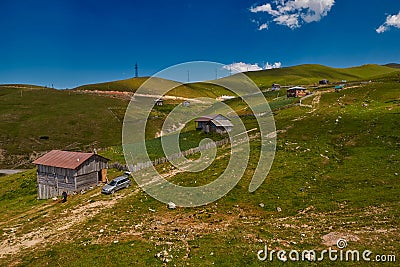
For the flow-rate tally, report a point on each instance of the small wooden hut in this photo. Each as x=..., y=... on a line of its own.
x=158, y=102
x=276, y=87
x=296, y=91
x=324, y=81
x=216, y=123
x=59, y=171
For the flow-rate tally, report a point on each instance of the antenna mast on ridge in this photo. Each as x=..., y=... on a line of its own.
x=136, y=70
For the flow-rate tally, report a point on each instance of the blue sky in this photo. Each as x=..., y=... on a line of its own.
x=69, y=43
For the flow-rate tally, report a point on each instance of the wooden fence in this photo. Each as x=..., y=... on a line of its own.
x=140, y=166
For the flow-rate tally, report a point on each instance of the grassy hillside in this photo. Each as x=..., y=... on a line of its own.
x=303, y=74
x=130, y=85
x=22, y=86
x=335, y=175
x=190, y=90
x=36, y=120
x=393, y=65
x=312, y=73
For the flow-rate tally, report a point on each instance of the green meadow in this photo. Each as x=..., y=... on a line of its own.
x=335, y=175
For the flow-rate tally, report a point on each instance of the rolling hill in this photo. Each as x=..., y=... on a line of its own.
x=36, y=119
x=130, y=85
x=393, y=65
x=307, y=74
x=182, y=90
x=311, y=73
x=41, y=119
x=335, y=175
x=22, y=86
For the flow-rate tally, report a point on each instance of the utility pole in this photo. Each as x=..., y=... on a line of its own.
x=188, y=76
x=136, y=70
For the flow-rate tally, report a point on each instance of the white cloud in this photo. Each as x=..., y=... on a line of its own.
x=264, y=8
x=243, y=67
x=391, y=21
x=293, y=13
x=276, y=65
x=381, y=29
x=292, y=21
x=263, y=26
x=260, y=26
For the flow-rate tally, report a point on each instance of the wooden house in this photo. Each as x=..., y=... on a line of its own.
x=296, y=91
x=159, y=102
x=216, y=123
x=59, y=171
x=276, y=87
x=324, y=81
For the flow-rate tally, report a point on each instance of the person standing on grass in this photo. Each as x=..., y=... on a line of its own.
x=64, y=195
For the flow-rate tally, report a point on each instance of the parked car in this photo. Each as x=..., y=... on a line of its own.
x=117, y=184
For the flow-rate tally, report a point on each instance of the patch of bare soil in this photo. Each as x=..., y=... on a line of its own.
x=52, y=231
x=56, y=229
x=333, y=238
x=114, y=94
x=2, y=154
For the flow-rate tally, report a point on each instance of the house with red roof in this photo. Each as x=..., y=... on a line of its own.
x=59, y=171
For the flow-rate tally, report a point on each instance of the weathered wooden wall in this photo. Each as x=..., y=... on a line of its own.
x=61, y=172
x=53, y=181
x=46, y=192
x=94, y=164
x=86, y=180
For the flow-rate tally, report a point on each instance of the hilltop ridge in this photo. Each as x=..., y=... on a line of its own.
x=301, y=74
x=393, y=65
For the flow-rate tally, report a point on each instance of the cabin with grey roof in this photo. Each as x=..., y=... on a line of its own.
x=215, y=123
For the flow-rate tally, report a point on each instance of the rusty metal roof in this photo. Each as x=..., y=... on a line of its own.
x=63, y=159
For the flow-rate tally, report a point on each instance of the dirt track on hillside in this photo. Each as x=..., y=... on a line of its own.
x=56, y=228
